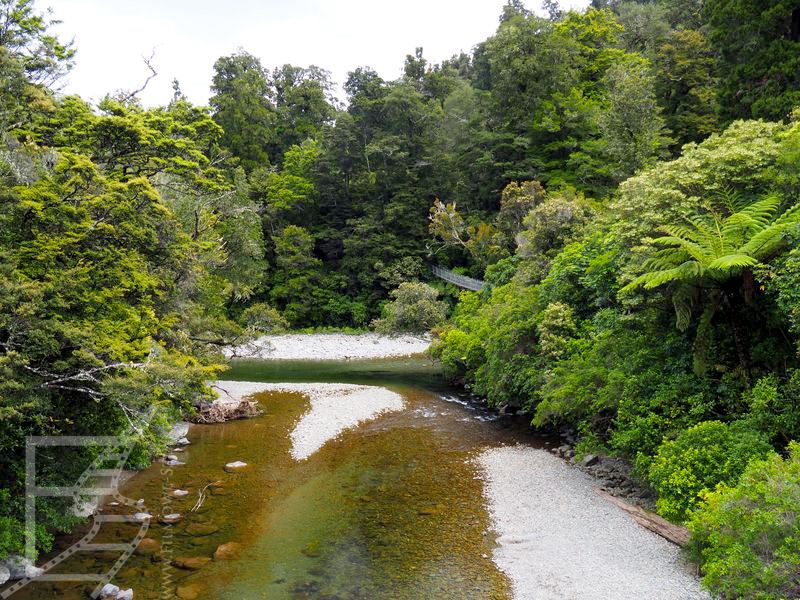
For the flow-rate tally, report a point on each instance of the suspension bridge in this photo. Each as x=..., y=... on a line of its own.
x=462, y=281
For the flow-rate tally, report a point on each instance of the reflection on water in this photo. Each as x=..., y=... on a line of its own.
x=393, y=509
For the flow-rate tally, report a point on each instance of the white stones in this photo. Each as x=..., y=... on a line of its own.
x=142, y=516
x=171, y=518
x=109, y=590
x=235, y=465
x=331, y=346
x=19, y=567
x=559, y=539
x=5, y=574
x=179, y=493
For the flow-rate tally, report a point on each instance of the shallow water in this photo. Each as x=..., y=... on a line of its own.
x=391, y=509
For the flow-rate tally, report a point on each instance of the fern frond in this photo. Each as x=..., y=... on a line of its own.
x=687, y=271
x=732, y=262
x=693, y=249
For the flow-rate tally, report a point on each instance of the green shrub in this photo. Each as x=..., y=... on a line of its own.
x=747, y=537
x=691, y=465
x=263, y=319
x=415, y=309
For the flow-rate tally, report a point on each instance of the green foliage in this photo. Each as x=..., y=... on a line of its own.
x=693, y=464
x=759, y=60
x=263, y=319
x=745, y=536
x=415, y=309
x=632, y=126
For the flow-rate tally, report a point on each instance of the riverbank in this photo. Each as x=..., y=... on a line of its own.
x=559, y=540
x=330, y=346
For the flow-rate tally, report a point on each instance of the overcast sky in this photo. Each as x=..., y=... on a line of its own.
x=189, y=35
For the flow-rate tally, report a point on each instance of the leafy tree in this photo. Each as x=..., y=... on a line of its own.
x=759, y=56
x=693, y=464
x=243, y=107
x=745, y=536
x=711, y=252
x=632, y=126
x=415, y=309
x=296, y=272
x=686, y=86
x=31, y=60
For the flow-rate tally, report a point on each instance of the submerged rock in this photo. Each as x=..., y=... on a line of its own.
x=201, y=529
x=170, y=519
x=227, y=551
x=235, y=466
x=179, y=493
x=148, y=546
x=191, y=591
x=191, y=563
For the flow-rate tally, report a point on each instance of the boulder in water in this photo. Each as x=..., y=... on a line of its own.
x=19, y=568
x=170, y=519
x=148, y=546
x=227, y=551
x=235, y=466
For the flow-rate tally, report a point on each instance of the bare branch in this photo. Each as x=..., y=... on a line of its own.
x=127, y=97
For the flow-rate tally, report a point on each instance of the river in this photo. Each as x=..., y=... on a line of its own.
x=391, y=509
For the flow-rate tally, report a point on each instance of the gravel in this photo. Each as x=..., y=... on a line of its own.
x=330, y=346
x=558, y=540
x=335, y=407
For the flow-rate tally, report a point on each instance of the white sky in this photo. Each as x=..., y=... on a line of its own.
x=189, y=35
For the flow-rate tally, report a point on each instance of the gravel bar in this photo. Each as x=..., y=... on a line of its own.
x=335, y=407
x=558, y=540
x=331, y=346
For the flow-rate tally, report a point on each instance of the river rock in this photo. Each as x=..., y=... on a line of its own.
x=169, y=457
x=191, y=591
x=170, y=519
x=184, y=441
x=227, y=551
x=125, y=595
x=109, y=590
x=235, y=466
x=191, y=563
x=179, y=431
x=19, y=568
x=148, y=546
x=174, y=463
x=142, y=516
x=5, y=574
x=201, y=529
x=179, y=493
x=589, y=460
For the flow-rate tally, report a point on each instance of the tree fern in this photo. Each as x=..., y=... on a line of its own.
x=711, y=250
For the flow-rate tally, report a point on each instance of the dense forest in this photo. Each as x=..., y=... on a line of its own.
x=626, y=179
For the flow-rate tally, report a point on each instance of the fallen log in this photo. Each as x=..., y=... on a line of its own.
x=220, y=412
x=669, y=531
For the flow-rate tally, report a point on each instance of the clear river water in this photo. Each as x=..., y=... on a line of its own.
x=391, y=509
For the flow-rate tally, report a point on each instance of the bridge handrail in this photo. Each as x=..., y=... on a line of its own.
x=461, y=281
